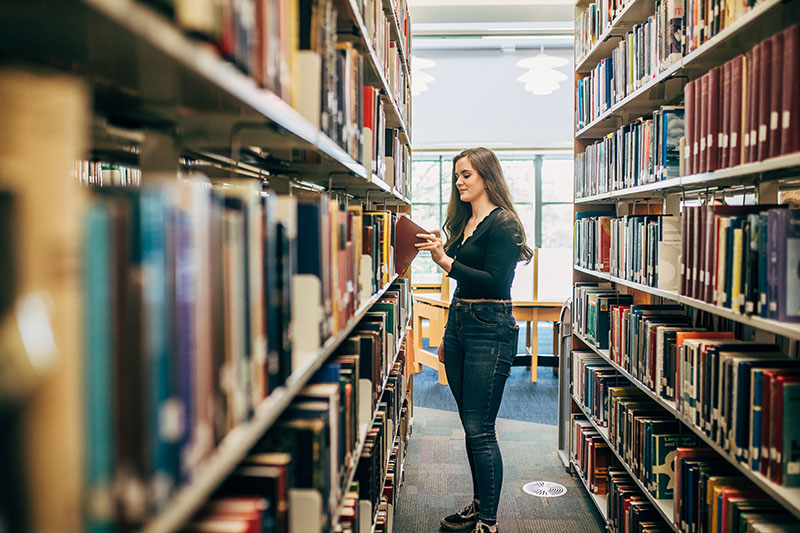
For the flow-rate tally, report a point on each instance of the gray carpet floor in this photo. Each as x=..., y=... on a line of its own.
x=437, y=479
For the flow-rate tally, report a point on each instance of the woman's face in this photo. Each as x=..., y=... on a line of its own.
x=469, y=183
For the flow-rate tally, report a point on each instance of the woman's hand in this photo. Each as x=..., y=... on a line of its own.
x=433, y=243
x=440, y=352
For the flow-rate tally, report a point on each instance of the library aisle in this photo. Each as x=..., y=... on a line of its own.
x=437, y=479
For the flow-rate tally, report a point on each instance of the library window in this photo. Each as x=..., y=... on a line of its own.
x=541, y=187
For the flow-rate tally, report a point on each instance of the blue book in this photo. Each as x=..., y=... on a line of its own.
x=164, y=438
x=763, y=262
x=672, y=123
x=184, y=332
x=757, y=400
x=99, y=372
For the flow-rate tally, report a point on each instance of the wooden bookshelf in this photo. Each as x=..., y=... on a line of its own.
x=144, y=70
x=766, y=177
x=600, y=500
x=635, y=12
x=235, y=446
x=775, y=168
x=351, y=469
x=786, y=496
x=195, y=75
x=785, y=329
x=666, y=508
x=763, y=20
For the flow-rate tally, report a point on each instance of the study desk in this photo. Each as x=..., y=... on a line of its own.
x=433, y=308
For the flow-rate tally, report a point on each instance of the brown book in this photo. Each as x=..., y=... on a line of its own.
x=725, y=127
x=764, y=93
x=703, y=119
x=738, y=71
x=696, y=107
x=688, y=92
x=406, y=239
x=775, y=97
x=747, y=90
x=713, y=109
x=790, y=121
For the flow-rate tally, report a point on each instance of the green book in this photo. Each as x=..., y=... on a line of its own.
x=663, y=467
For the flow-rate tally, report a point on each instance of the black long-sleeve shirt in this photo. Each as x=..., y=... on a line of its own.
x=484, y=264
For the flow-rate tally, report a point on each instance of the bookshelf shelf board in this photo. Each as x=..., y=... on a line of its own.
x=362, y=438
x=787, y=329
x=235, y=446
x=635, y=12
x=641, y=191
x=394, y=118
x=397, y=37
x=600, y=500
x=663, y=293
x=787, y=497
x=745, y=174
x=665, y=507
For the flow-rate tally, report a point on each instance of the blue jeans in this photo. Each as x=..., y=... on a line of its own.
x=479, y=347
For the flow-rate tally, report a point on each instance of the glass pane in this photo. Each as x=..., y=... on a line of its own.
x=525, y=212
x=557, y=226
x=424, y=270
x=557, y=180
x=425, y=181
x=426, y=215
x=522, y=286
x=519, y=176
x=447, y=182
x=555, y=274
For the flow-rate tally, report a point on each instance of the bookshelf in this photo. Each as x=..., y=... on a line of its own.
x=238, y=442
x=763, y=180
x=600, y=500
x=665, y=507
x=147, y=78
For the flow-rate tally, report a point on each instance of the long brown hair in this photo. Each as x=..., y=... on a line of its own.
x=486, y=164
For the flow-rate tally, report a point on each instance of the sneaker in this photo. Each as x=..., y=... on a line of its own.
x=464, y=519
x=480, y=527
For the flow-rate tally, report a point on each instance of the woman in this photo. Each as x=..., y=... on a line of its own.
x=484, y=241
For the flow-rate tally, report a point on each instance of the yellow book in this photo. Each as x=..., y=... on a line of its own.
x=736, y=269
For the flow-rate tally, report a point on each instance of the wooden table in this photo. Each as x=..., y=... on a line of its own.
x=435, y=309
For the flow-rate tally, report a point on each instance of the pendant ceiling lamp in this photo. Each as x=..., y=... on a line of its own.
x=419, y=78
x=541, y=77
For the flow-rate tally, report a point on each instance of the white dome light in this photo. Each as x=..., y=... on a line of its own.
x=541, y=77
x=420, y=79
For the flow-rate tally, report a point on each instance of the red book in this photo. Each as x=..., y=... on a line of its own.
x=684, y=251
x=725, y=126
x=703, y=118
x=764, y=105
x=713, y=120
x=738, y=71
x=688, y=94
x=753, y=98
x=747, y=89
x=790, y=121
x=775, y=97
x=700, y=254
x=751, y=493
x=697, y=105
x=776, y=424
x=767, y=414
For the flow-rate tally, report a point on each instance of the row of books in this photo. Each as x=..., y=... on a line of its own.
x=379, y=34
x=746, y=109
x=300, y=470
x=736, y=392
x=200, y=301
x=103, y=173
x=598, y=18
x=671, y=463
x=743, y=258
x=645, y=151
x=628, y=509
x=292, y=48
x=641, y=55
x=640, y=248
